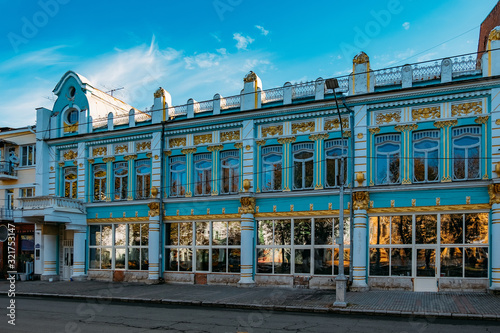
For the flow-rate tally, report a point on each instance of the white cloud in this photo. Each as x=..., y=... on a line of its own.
x=203, y=60
x=216, y=37
x=222, y=51
x=242, y=41
x=262, y=30
x=406, y=25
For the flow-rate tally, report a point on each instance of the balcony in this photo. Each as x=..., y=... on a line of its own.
x=6, y=214
x=51, y=209
x=7, y=170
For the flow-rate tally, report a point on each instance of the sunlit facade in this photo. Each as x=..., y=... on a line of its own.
x=245, y=189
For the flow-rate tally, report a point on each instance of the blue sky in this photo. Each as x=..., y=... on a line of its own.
x=195, y=49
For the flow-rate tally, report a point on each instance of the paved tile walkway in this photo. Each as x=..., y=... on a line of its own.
x=399, y=303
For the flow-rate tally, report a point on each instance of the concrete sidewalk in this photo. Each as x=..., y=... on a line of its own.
x=461, y=305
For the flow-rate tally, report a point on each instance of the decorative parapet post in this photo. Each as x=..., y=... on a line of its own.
x=406, y=143
x=446, y=70
x=406, y=76
x=162, y=102
x=361, y=81
x=287, y=174
x=360, y=205
x=445, y=126
x=489, y=61
x=319, y=89
x=287, y=93
x=247, y=211
x=494, y=192
x=217, y=100
x=251, y=98
x=154, y=238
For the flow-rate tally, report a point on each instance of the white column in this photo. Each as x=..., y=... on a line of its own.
x=153, y=247
x=359, y=251
x=247, y=234
x=79, y=249
x=49, y=256
x=495, y=247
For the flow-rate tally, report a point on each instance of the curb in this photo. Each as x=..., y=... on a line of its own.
x=262, y=307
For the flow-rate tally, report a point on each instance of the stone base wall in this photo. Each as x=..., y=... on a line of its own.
x=209, y=278
x=118, y=276
x=295, y=281
x=444, y=284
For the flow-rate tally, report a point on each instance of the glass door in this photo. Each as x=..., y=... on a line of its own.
x=425, y=253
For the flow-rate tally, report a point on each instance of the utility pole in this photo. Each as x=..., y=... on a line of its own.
x=341, y=280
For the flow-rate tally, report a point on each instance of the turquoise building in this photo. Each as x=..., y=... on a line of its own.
x=245, y=189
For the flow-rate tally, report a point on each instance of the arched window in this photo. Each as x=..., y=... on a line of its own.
x=303, y=165
x=99, y=182
x=70, y=182
x=272, y=161
x=230, y=175
x=203, y=174
x=333, y=153
x=466, y=151
x=426, y=156
x=178, y=176
x=121, y=180
x=142, y=178
x=387, y=156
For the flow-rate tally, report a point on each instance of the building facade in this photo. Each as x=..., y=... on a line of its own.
x=17, y=180
x=245, y=189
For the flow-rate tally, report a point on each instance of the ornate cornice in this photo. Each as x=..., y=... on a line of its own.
x=260, y=142
x=203, y=138
x=374, y=130
x=99, y=151
x=482, y=119
x=307, y=126
x=120, y=149
x=118, y=219
x=215, y=148
x=464, y=109
x=316, y=137
x=154, y=209
x=335, y=123
x=494, y=192
x=361, y=200
x=130, y=157
x=108, y=159
x=272, y=131
x=409, y=127
x=229, y=136
x=188, y=151
x=426, y=113
x=287, y=140
x=388, y=117
x=238, y=145
x=247, y=205
x=70, y=155
x=177, y=142
x=144, y=145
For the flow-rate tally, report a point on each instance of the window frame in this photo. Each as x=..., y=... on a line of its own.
x=26, y=151
x=99, y=182
x=120, y=181
x=466, y=132
x=233, y=170
x=267, y=152
x=142, y=178
x=298, y=148
x=73, y=183
x=206, y=174
x=421, y=136
x=181, y=188
x=380, y=141
x=332, y=145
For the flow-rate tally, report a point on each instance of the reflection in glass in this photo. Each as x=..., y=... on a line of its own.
x=452, y=228
x=202, y=259
x=119, y=258
x=234, y=260
x=234, y=237
x=476, y=228
x=144, y=259
x=95, y=258
x=401, y=229
x=282, y=232
x=134, y=258
x=219, y=260
x=323, y=229
x=380, y=229
x=302, y=261
x=264, y=261
x=401, y=262
x=265, y=232
x=219, y=233
x=302, y=231
x=202, y=233
x=476, y=262
x=173, y=259
x=426, y=229
x=95, y=235
x=323, y=261
x=451, y=261
x=379, y=262
x=185, y=259
x=426, y=262
x=106, y=235
x=282, y=261
x=185, y=233
x=134, y=234
x=120, y=234
x=106, y=258
x=347, y=260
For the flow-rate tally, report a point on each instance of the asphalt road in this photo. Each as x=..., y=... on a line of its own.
x=55, y=315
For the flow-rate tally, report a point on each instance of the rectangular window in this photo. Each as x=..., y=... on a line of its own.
x=333, y=159
x=99, y=171
x=272, y=163
x=230, y=171
x=446, y=245
x=119, y=246
x=300, y=246
x=70, y=182
x=303, y=165
x=203, y=246
x=203, y=174
x=28, y=155
x=120, y=172
x=426, y=156
x=142, y=179
x=466, y=152
x=178, y=176
x=387, y=159
x=27, y=192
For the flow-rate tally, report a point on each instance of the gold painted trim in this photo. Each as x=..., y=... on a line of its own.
x=428, y=208
x=119, y=219
x=201, y=217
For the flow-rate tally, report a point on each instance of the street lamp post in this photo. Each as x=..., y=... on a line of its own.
x=341, y=280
